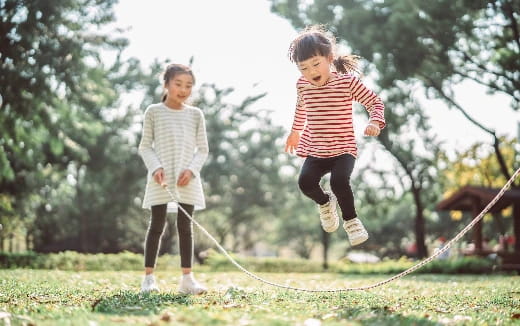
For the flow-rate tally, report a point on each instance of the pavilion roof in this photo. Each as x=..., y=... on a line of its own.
x=464, y=199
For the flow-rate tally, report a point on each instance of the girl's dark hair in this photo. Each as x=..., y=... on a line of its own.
x=316, y=40
x=175, y=69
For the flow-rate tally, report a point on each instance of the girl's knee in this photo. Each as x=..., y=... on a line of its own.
x=306, y=183
x=155, y=231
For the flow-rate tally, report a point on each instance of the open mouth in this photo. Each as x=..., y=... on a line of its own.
x=317, y=79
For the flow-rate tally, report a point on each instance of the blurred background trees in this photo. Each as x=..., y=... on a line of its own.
x=436, y=45
x=71, y=179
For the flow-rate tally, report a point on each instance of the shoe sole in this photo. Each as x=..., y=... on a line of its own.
x=332, y=229
x=358, y=241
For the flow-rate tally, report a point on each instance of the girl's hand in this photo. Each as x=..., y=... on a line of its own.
x=372, y=129
x=158, y=176
x=184, y=178
x=292, y=142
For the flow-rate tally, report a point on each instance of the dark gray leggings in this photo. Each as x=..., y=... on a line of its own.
x=156, y=229
x=340, y=168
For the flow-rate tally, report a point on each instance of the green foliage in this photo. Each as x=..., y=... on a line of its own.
x=74, y=261
x=465, y=265
x=407, y=136
x=217, y=262
x=242, y=180
x=69, y=162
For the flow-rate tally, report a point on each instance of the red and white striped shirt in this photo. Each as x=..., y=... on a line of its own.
x=324, y=113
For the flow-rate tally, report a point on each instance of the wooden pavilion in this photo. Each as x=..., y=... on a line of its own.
x=474, y=199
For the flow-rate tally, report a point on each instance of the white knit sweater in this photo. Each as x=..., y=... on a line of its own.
x=174, y=140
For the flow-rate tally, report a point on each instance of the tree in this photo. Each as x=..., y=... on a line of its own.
x=243, y=184
x=407, y=137
x=58, y=98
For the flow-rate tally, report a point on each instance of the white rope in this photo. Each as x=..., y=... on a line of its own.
x=367, y=287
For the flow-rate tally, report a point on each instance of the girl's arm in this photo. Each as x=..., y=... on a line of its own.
x=372, y=103
x=201, y=154
x=300, y=117
x=146, y=151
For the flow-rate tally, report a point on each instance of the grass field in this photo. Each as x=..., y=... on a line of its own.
x=43, y=297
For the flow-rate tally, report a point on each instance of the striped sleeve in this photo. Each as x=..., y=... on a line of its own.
x=146, y=151
x=372, y=103
x=201, y=154
x=300, y=115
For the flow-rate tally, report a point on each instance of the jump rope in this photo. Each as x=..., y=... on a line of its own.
x=367, y=287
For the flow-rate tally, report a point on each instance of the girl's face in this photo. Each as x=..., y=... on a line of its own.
x=179, y=88
x=316, y=69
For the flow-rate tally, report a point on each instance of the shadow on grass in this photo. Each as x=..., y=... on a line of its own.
x=382, y=316
x=135, y=303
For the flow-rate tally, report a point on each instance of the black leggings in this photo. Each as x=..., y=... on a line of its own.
x=340, y=168
x=156, y=229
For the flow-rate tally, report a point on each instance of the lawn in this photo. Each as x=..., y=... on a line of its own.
x=43, y=297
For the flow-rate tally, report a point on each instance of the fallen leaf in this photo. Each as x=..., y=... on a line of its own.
x=167, y=317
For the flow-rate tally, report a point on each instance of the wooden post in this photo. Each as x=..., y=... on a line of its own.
x=516, y=227
x=477, y=234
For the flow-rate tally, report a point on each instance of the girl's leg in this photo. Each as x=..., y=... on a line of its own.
x=188, y=284
x=340, y=184
x=311, y=173
x=185, y=231
x=153, y=237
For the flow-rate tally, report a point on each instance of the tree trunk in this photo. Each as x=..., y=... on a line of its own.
x=83, y=225
x=325, y=240
x=477, y=232
x=419, y=223
x=11, y=242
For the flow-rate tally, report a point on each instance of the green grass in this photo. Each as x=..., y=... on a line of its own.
x=44, y=297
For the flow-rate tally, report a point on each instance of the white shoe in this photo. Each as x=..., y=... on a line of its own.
x=329, y=215
x=189, y=285
x=356, y=232
x=149, y=284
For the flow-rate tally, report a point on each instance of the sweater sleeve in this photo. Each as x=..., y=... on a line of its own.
x=372, y=103
x=146, y=150
x=201, y=154
x=300, y=115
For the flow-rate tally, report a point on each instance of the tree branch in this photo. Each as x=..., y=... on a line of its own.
x=509, y=13
x=431, y=83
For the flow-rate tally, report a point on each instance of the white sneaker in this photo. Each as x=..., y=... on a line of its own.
x=189, y=285
x=356, y=232
x=328, y=214
x=149, y=284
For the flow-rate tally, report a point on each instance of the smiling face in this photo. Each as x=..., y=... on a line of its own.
x=316, y=69
x=179, y=89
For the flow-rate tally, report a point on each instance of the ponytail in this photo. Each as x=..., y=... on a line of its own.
x=347, y=64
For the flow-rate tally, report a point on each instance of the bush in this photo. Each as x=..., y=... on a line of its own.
x=464, y=265
x=71, y=260
x=74, y=261
x=218, y=263
x=19, y=260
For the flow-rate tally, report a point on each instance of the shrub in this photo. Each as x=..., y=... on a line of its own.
x=71, y=260
x=217, y=262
